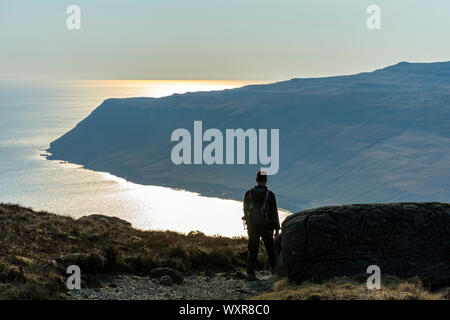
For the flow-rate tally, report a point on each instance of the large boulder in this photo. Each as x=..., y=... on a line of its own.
x=403, y=239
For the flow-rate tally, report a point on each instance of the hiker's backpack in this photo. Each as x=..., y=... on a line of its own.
x=258, y=214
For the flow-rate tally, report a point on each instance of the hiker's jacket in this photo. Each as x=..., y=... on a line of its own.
x=258, y=195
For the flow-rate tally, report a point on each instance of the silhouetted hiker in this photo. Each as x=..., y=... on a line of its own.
x=261, y=217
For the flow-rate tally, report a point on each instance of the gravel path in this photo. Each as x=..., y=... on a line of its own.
x=219, y=286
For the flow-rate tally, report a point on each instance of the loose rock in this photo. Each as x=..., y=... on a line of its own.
x=175, y=275
x=166, y=280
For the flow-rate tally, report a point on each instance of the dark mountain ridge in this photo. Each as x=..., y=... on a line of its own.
x=381, y=136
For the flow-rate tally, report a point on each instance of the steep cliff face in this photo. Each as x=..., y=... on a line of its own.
x=403, y=239
x=382, y=136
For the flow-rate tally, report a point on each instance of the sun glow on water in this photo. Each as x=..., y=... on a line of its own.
x=180, y=210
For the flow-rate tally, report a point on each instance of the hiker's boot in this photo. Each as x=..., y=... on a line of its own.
x=251, y=277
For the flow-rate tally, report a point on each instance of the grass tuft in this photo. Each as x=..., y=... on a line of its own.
x=352, y=288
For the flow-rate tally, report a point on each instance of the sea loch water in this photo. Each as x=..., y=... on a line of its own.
x=34, y=114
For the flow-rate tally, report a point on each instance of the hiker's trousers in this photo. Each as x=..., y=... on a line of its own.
x=255, y=233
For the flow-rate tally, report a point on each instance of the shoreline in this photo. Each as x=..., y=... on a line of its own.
x=128, y=185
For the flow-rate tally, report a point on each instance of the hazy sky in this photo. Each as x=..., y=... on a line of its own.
x=216, y=39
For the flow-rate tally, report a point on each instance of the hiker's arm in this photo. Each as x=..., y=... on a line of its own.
x=276, y=220
x=245, y=205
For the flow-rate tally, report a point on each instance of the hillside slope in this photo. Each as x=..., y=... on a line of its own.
x=382, y=136
x=36, y=248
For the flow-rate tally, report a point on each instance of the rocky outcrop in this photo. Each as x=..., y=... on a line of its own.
x=110, y=221
x=403, y=239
